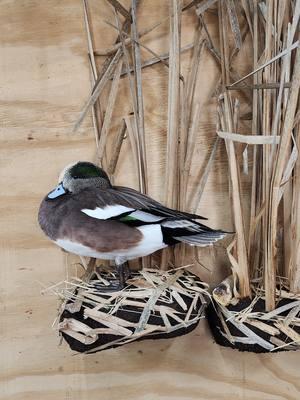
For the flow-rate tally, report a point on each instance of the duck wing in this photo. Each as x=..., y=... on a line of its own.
x=136, y=209
x=147, y=204
x=119, y=202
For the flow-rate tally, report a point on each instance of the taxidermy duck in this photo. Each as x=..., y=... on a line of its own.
x=86, y=215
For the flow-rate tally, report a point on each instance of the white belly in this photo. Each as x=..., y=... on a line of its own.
x=151, y=242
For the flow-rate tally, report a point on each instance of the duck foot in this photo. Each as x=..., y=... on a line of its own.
x=120, y=284
x=111, y=288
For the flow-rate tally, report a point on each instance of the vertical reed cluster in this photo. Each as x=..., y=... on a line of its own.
x=124, y=59
x=268, y=247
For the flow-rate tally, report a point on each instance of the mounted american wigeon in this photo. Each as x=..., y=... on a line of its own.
x=88, y=216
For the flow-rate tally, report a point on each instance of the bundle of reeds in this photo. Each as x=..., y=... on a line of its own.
x=268, y=241
x=265, y=253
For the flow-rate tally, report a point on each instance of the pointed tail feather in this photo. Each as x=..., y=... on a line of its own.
x=190, y=232
x=202, y=239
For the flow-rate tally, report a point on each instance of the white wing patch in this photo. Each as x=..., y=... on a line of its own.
x=113, y=211
x=146, y=217
x=190, y=225
x=106, y=212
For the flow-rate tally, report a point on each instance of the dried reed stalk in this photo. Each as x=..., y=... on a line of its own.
x=118, y=7
x=190, y=146
x=108, y=68
x=109, y=111
x=172, y=182
x=140, y=44
x=294, y=270
x=254, y=234
x=98, y=88
x=133, y=130
x=139, y=93
x=269, y=271
x=96, y=109
x=189, y=120
x=156, y=60
x=143, y=32
x=117, y=148
x=234, y=23
x=132, y=133
x=227, y=124
x=194, y=202
x=171, y=194
x=204, y=5
x=127, y=41
x=89, y=38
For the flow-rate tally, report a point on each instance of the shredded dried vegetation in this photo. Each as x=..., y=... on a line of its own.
x=154, y=303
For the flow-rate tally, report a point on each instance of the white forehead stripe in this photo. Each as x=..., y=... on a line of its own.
x=107, y=211
x=67, y=167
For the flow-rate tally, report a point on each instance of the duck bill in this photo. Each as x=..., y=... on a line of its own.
x=58, y=191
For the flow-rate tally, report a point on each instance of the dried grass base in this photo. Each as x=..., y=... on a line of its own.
x=156, y=304
x=247, y=327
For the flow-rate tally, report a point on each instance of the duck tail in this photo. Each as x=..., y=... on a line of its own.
x=190, y=232
x=202, y=239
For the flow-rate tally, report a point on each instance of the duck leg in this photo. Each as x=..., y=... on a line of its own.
x=124, y=273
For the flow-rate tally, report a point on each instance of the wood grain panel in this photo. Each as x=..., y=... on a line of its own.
x=44, y=81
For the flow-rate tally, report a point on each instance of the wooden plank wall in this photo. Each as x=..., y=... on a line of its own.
x=44, y=81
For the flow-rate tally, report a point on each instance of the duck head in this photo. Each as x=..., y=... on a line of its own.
x=80, y=176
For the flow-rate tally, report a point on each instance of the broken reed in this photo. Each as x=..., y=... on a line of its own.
x=274, y=29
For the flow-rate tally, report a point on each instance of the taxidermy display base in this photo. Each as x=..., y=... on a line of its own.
x=246, y=326
x=155, y=304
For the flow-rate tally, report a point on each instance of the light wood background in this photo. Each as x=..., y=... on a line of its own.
x=44, y=81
